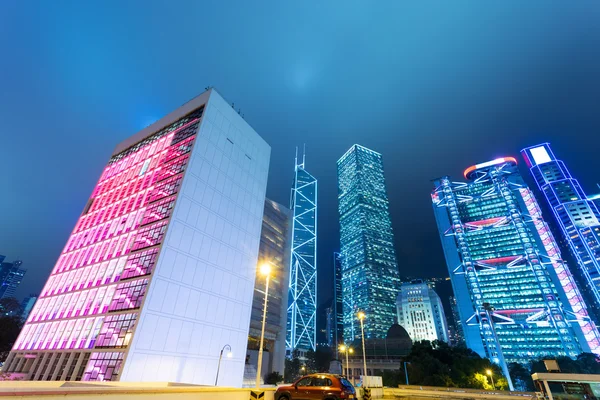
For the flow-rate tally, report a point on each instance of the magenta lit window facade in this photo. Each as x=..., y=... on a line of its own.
x=90, y=302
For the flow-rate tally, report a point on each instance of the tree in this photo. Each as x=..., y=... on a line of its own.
x=10, y=306
x=437, y=364
x=273, y=378
x=318, y=361
x=292, y=368
x=521, y=377
x=10, y=326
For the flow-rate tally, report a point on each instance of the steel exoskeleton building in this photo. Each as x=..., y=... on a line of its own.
x=577, y=216
x=516, y=298
x=302, y=294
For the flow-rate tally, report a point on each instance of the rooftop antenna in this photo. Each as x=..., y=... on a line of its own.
x=296, y=158
x=303, y=155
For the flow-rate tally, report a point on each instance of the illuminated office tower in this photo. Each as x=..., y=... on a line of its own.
x=370, y=278
x=11, y=275
x=421, y=313
x=302, y=295
x=576, y=214
x=517, y=299
x=158, y=273
x=274, y=249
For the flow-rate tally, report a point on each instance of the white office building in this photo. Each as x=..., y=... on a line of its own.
x=421, y=313
x=158, y=273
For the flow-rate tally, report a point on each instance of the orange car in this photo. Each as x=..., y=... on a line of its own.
x=317, y=387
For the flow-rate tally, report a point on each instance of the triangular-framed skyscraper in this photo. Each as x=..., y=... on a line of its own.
x=302, y=297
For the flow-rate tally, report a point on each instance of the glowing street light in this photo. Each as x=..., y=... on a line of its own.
x=489, y=372
x=346, y=349
x=361, y=316
x=229, y=355
x=265, y=270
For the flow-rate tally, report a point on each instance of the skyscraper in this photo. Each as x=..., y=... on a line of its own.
x=27, y=305
x=337, y=304
x=275, y=248
x=302, y=297
x=516, y=298
x=370, y=278
x=577, y=216
x=455, y=329
x=158, y=273
x=421, y=313
x=11, y=275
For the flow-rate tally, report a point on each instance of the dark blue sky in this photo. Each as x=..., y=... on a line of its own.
x=435, y=87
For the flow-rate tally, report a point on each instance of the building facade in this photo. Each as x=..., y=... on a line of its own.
x=302, y=294
x=576, y=214
x=370, y=278
x=421, y=313
x=337, y=305
x=27, y=305
x=158, y=273
x=275, y=248
x=11, y=276
x=517, y=299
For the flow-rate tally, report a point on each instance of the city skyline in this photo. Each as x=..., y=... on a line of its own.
x=454, y=88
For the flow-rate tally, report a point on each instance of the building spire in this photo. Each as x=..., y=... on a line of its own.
x=303, y=154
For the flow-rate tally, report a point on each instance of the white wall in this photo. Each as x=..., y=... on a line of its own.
x=200, y=296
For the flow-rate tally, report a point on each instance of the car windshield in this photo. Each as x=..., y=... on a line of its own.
x=346, y=384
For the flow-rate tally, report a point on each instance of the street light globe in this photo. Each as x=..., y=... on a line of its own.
x=342, y=347
x=361, y=315
x=350, y=350
x=265, y=269
x=229, y=354
x=488, y=371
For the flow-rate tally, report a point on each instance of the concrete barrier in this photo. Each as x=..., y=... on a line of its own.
x=434, y=392
x=54, y=390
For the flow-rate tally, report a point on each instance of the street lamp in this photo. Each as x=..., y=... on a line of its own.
x=489, y=372
x=406, y=371
x=265, y=270
x=303, y=369
x=346, y=349
x=220, y=357
x=361, y=316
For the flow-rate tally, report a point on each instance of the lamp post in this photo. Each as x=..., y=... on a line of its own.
x=220, y=357
x=361, y=316
x=406, y=372
x=489, y=372
x=265, y=270
x=345, y=349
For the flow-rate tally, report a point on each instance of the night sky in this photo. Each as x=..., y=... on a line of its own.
x=434, y=87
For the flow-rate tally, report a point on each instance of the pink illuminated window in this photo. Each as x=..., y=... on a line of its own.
x=173, y=168
x=129, y=295
x=141, y=263
x=166, y=188
x=158, y=211
x=103, y=366
x=150, y=235
x=116, y=331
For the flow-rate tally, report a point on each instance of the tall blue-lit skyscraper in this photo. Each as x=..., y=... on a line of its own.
x=576, y=214
x=516, y=297
x=302, y=295
x=370, y=277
